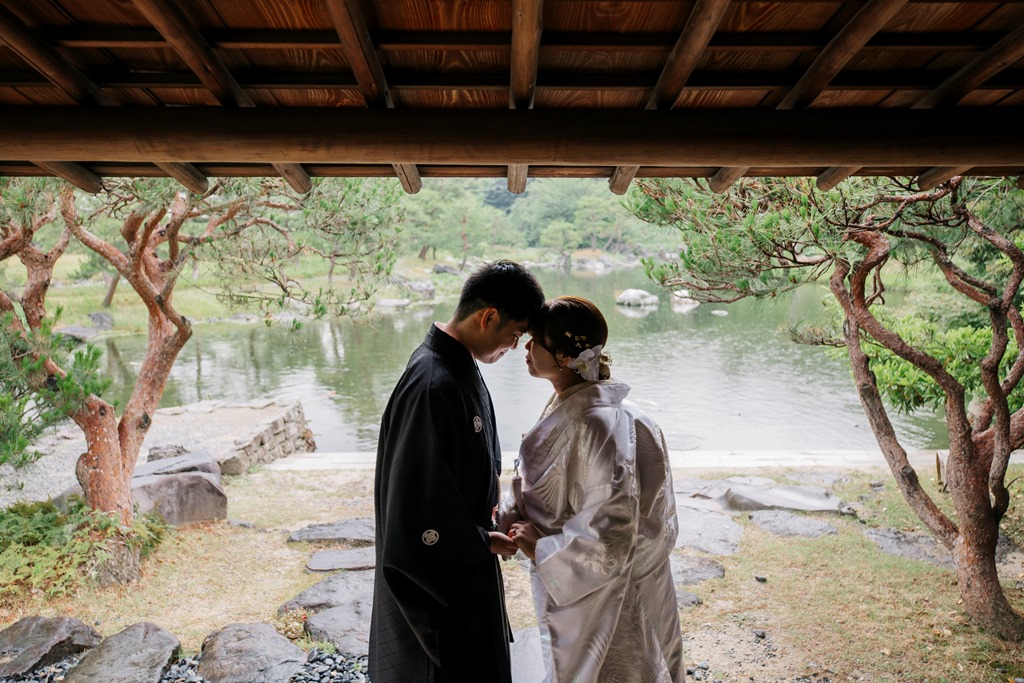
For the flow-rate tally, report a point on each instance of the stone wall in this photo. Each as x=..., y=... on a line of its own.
x=286, y=434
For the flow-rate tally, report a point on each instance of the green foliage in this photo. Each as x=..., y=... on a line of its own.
x=44, y=549
x=33, y=400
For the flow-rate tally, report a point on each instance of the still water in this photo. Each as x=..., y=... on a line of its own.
x=713, y=381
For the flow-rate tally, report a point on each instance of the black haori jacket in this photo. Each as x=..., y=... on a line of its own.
x=438, y=602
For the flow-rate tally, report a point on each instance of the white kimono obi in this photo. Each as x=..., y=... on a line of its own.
x=597, y=484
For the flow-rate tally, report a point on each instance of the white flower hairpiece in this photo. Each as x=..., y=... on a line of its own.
x=588, y=363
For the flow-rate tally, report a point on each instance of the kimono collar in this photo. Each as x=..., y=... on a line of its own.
x=602, y=392
x=449, y=347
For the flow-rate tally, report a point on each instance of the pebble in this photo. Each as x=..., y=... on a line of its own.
x=321, y=667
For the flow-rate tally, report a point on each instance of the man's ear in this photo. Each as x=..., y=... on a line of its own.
x=489, y=315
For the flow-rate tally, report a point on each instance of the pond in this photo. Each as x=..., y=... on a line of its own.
x=716, y=378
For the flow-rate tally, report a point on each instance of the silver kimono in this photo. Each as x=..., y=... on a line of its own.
x=597, y=484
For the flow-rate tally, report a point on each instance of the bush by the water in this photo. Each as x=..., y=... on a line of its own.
x=45, y=549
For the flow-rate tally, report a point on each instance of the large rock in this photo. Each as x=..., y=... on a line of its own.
x=637, y=298
x=689, y=570
x=332, y=560
x=181, y=498
x=708, y=531
x=357, y=531
x=340, y=590
x=33, y=642
x=142, y=653
x=754, y=493
x=197, y=461
x=249, y=653
x=915, y=546
x=346, y=628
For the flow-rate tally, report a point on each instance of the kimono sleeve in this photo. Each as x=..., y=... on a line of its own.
x=431, y=541
x=597, y=542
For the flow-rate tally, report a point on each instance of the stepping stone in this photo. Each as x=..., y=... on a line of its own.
x=34, y=642
x=142, y=653
x=347, y=628
x=826, y=479
x=752, y=493
x=341, y=589
x=249, y=653
x=527, y=657
x=686, y=599
x=782, y=523
x=709, y=531
x=331, y=560
x=357, y=531
x=688, y=570
x=914, y=546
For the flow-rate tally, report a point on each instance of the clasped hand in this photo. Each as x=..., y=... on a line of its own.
x=522, y=536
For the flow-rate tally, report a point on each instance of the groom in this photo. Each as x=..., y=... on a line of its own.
x=438, y=602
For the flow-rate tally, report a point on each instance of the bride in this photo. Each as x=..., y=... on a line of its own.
x=596, y=513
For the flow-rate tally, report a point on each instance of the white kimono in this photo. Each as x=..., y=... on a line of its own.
x=597, y=484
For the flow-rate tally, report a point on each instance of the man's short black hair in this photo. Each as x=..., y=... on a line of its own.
x=504, y=285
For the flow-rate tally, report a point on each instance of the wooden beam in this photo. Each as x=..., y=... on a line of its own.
x=362, y=57
x=188, y=43
x=527, y=27
x=76, y=174
x=829, y=62
x=1004, y=53
x=840, y=50
x=1000, y=56
x=569, y=137
x=703, y=21
x=935, y=176
x=833, y=176
x=186, y=174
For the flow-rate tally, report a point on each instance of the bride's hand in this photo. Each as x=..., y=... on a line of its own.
x=525, y=536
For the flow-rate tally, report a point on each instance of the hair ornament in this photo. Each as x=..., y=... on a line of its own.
x=588, y=363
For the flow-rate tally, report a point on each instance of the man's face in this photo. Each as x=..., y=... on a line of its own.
x=499, y=337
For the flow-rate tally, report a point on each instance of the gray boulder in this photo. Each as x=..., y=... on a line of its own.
x=340, y=590
x=754, y=493
x=357, y=531
x=181, y=498
x=637, y=298
x=915, y=546
x=249, y=653
x=101, y=320
x=33, y=642
x=782, y=523
x=197, y=461
x=686, y=599
x=142, y=653
x=332, y=560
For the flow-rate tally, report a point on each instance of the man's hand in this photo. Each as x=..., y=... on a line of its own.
x=525, y=536
x=502, y=544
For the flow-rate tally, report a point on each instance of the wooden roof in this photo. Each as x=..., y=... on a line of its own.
x=517, y=88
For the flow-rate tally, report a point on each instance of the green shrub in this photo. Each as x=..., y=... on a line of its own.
x=44, y=549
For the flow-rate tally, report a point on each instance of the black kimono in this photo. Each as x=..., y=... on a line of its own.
x=438, y=601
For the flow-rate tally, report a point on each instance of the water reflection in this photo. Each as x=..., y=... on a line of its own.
x=714, y=382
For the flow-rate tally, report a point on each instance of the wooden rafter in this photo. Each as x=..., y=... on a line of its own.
x=829, y=62
x=186, y=41
x=1003, y=54
x=527, y=26
x=474, y=137
x=76, y=174
x=700, y=27
x=362, y=58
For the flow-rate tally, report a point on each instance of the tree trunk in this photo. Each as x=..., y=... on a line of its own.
x=984, y=601
x=423, y=252
x=111, y=288
x=105, y=476
x=330, y=276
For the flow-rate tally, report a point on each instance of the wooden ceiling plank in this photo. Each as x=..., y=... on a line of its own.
x=186, y=174
x=850, y=40
x=47, y=61
x=999, y=57
x=937, y=175
x=527, y=27
x=362, y=57
x=188, y=43
x=1003, y=54
x=700, y=27
x=76, y=174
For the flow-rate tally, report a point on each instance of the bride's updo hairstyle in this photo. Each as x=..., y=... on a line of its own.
x=571, y=325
